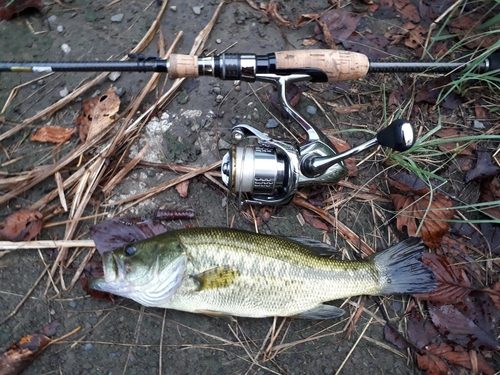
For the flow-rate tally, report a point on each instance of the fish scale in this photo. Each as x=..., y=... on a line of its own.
x=221, y=271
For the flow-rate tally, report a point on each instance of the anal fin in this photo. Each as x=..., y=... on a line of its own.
x=216, y=314
x=321, y=312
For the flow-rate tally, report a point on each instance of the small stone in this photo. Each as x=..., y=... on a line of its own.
x=183, y=97
x=52, y=19
x=66, y=48
x=197, y=10
x=237, y=88
x=114, y=355
x=216, y=90
x=173, y=8
x=219, y=98
x=63, y=93
x=218, y=40
x=120, y=91
x=88, y=347
x=478, y=125
x=113, y=76
x=72, y=304
x=33, y=87
x=224, y=202
x=311, y=109
x=52, y=311
x=271, y=124
x=224, y=145
x=60, y=29
x=117, y=18
x=40, y=82
x=237, y=82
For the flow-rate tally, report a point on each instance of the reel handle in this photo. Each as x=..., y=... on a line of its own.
x=399, y=136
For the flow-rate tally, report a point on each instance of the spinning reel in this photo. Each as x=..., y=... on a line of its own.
x=271, y=171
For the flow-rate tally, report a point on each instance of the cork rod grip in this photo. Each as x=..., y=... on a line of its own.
x=183, y=66
x=338, y=65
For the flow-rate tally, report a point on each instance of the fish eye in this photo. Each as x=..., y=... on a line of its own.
x=130, y=250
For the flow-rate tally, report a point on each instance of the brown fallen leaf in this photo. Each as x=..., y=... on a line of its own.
x=433, y=213
x=458, y=148
x=51, y=328
x=305, y=19
x=119, y=231
x=53, y=134
x=484, y=168
x=314, y=221
x=96, y=294
x=97, y=114
x=340, y=25
x=182, y=188
x=453, y=283
x=490, y=192
x=9, y=8
x=470, y=323
x=435, y=356
x=416, y=37
x=270, y=11
x=438, y=359
x=20, y=355
x=22, y=225
x=408, y=10
x=341, y=145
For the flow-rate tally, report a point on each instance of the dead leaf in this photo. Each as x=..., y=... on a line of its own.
x=270, y=11
x=51, y=328
x=453, y=282
x=22, y=225
x=469, y=323
x=119, y=231
x=305, y=19
x=418, y=207
x=182, y=188
x=314, y=221
x=341, y=145
x=53, y=134
x=9, y=8
x=408, y=10
x=97, y=114
x=416, y=37
x=484, y=168
x=458, y=148
x=20, y=355
x=392, y=335
x=435, y=356
x=339, y=23
x=490, y=192
x=435, y=215
x=438, y=358
x=97, y=294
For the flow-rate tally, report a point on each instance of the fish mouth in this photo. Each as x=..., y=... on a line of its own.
x=114, y=271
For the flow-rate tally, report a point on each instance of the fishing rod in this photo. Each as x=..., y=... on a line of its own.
x=269, y=170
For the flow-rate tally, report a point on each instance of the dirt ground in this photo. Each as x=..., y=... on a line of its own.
x=125, y=338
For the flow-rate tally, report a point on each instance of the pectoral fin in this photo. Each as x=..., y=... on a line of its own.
x=321, y=312
x=219, y=277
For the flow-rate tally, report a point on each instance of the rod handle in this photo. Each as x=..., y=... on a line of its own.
x=337, y=65
x=181, y=66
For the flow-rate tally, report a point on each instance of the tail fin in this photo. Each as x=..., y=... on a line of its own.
x=401, y=271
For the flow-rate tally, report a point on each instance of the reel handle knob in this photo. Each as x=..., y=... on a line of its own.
x=398, y=135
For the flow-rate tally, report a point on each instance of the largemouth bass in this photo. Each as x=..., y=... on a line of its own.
x=228, y=272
